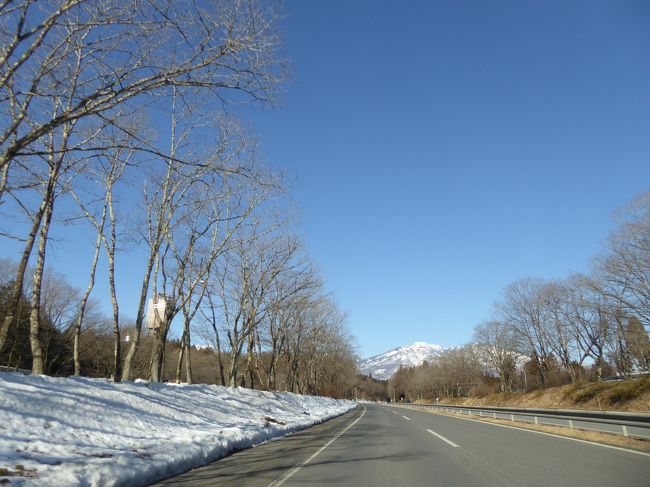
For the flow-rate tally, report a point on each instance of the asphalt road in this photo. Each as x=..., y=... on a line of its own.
x=380, y=445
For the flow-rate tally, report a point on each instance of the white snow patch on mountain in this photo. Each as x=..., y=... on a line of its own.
x=384, y=365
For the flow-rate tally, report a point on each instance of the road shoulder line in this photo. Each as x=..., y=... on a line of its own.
x=296, y=469
x=627, y=450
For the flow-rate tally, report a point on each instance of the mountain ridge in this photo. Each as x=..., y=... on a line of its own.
x=384, y=365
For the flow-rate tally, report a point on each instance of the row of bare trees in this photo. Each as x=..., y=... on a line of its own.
x=542, y=332
x=598, y=319
x=271, y=314
x=118, y=118
x=455, y=372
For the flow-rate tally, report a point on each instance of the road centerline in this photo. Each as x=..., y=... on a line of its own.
x=407, y=419
x=446, y=440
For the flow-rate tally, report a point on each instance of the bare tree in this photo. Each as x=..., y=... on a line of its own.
x=196, y=211
x=123, y=52
x=315, y=323
x=71, y=70
x=523, y=308
x=622, y=278
x=211, y=332
x=52, y=149
x=58, y=311
x=624, y=273
x=328, y=361
x=55, y=160
x=108, y=169
x=588, y=314
x=497, y=345
x=244, y=281
x=288, y=292
x=638, y=344
x=560, y=331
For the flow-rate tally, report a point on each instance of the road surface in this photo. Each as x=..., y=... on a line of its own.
x=383, y=445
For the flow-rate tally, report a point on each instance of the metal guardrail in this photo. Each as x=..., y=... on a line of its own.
x=635, y=425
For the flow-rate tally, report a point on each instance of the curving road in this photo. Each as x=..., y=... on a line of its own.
x=382, y=445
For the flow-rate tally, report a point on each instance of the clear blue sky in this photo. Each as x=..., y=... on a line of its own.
x=445, y=149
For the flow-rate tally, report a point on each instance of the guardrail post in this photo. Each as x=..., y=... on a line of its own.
x=638, y=421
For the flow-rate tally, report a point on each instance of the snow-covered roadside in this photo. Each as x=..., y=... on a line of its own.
x=79, y=431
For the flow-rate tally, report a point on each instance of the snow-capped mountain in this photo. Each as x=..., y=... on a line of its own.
x=383, y=366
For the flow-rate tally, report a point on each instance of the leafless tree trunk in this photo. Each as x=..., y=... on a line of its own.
x=55, y=162
x=250, y=357
x=35, y=302
x=190, y=308
x=110, y=252
x=159, y=211
x=109, y=173
x=135, y=341
x=212, y=319
x=86, y=295
x=19, y=281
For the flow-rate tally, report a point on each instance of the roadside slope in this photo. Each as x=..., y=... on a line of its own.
x=629, y=395
x=80, y=431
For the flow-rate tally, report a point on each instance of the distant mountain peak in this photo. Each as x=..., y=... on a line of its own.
x=384, y=365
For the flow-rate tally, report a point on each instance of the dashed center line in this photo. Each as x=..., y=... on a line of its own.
x=407, y=419
x=444, y=439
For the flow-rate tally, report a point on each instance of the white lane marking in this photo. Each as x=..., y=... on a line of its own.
x=551, y=434
x=407, y=419
x=395, y=412
x=294, y=470
x=444, y=439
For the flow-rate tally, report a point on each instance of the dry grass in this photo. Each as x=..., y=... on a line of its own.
x=630, y=395
x=593, y=436
x=18, y=471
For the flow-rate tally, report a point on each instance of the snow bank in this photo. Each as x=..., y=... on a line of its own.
x=80, y=431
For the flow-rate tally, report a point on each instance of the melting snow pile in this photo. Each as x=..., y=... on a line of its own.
x=80, y=431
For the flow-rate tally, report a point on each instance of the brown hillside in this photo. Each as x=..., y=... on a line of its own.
x=627, y=395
